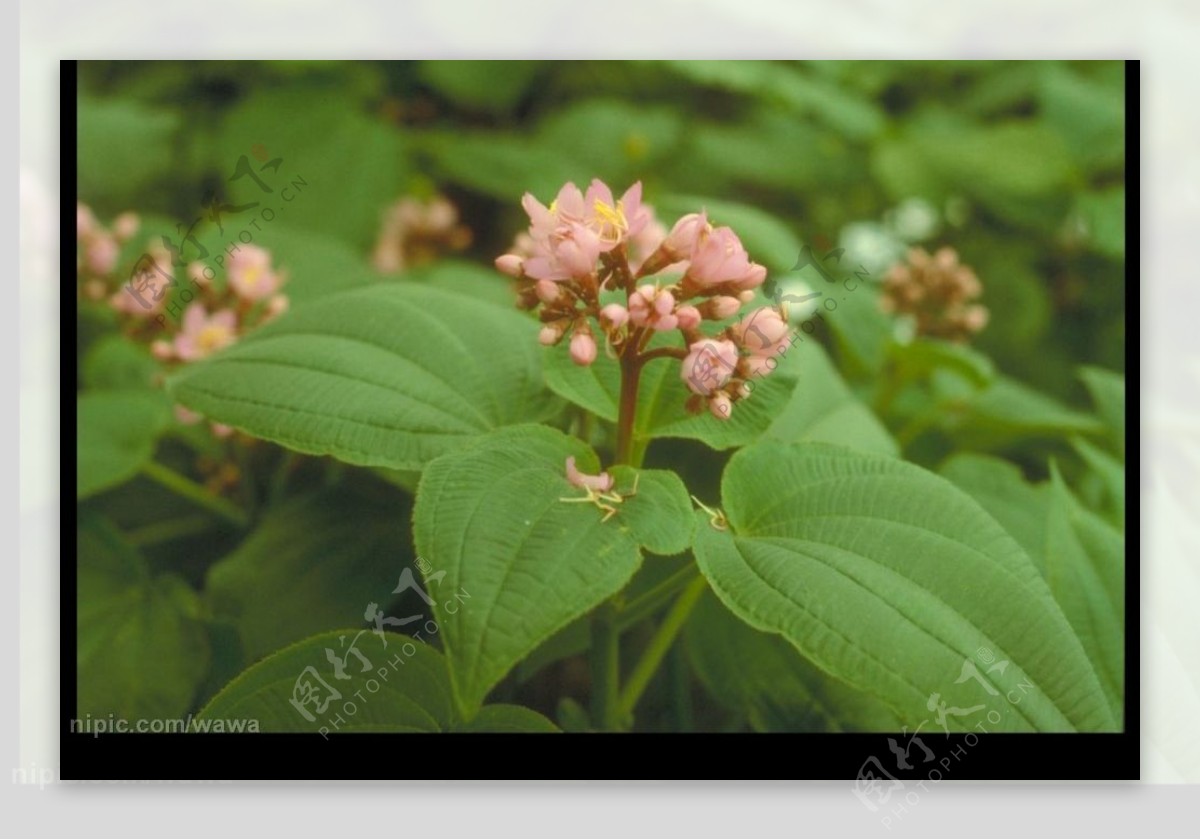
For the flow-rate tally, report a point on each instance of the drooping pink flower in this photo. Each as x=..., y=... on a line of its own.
x=603, y=482
x=203, y=334
x=251, y=275
x=709, y=364
x=510, y=264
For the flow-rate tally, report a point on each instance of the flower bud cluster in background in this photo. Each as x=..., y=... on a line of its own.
x=937, y=293
x=416, y=232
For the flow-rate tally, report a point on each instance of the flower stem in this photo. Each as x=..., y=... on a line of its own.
x=606, y=668
x=194, y=492
x=631, y=372
x=659, y=644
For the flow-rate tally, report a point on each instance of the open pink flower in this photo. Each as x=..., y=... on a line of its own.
x=251, y=275
x=203, y=334
x=719, y=258
x=602, y=482
x=709, y=364
x=615, y=221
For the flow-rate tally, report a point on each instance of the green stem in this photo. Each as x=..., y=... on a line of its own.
x=157, y=532
x=606, y=668
x=659, y=644
x=194, y=492
x=631, y=371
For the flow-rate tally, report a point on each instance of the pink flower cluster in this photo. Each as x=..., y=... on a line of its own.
x=592, y=263
x=99, y=247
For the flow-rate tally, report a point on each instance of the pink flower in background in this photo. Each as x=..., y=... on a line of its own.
x=100, y=253
x=203, y=334
x=602, y=482
x=251, y=275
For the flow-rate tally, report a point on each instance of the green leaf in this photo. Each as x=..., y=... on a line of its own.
x=619, y=141
x=310, y=566
x=1103, y=215
x=492, y=517
x=504, y=166
x=891, y=579
x=1111, y=473
x=657, y=509
x=1000, y=489
x=822, y=409
x=918, y=358
x=493, y=87
x=1108, y=393
x=391, y=375
x=124, y=146
x=1008, y=411
x=763, y=676
x=859, y=326
x=117, y=434
x=142, y=648
x=1085, y=560
x=398, y=685
x=115, y=363
x=340, y=167
x=1089, y=115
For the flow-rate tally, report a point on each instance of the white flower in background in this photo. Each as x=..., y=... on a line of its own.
x=913, y=220
x=871, y=245
x=799, y=297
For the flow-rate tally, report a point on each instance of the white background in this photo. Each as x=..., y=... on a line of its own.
x=1160, y=32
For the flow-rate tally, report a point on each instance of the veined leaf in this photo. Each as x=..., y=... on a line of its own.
x=493, y=518
x=117, y=433
x=892, y=580
x=391, y=375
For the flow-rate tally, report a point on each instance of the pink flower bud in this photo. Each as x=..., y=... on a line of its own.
x=614, y=316
x=583, y=349
x=746, y=296
x=709, y=365
x=550, y=335
x=221, y=430
x=688, y=316
x=718, y=258
x=681, y=242
x=547, y=291
x=85, y=222
x=762, y=332
x=720, y=405
x=195, y=273
x=510, y=264
x=602, y=482
x=125, y=226
x=976, y=318
x=277, y=305
x=162, y=350
x=101, y=254
x=721, y=307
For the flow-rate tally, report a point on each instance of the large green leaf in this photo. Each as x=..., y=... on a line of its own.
x=117, y=434
x=340, y=168
x=391, y=375
x=1108, y=393
x=1085, y=559
x=1007, y=411
x=392, y=684
x=492, y=517
x=1110, y=474
x=891, y=579
x=142, y=649
x=311, y=565
x=766, y=678
x=822, y=408
x=1004, y=493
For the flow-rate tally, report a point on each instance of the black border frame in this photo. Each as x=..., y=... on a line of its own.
x=995, y=756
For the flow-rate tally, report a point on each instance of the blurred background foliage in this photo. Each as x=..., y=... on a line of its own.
x=1019, y=166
